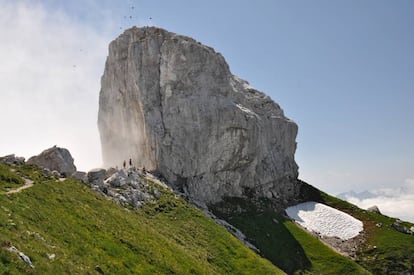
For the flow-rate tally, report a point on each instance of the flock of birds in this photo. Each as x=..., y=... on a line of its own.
x=130, y=17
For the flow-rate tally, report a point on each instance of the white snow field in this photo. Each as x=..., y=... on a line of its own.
x=325, y=220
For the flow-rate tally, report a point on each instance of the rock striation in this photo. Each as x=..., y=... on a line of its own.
x=55, y=159
x=172, y=106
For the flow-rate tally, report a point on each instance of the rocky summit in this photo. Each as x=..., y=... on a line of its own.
x=55, y=159
x=172, y=106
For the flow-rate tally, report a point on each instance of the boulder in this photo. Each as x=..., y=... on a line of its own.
x=172, y=106
x=46, y=172
x=110, y=171
x=56, y=174
x=55, y=158
x=116, y=180
x=374, y=208
x=82, y=176
x=397, y=225
x=22, y=256
x=96, y=176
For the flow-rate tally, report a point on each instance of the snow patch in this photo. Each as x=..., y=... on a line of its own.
x=325, y=220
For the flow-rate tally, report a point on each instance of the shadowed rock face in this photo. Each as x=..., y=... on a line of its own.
x=173, y=106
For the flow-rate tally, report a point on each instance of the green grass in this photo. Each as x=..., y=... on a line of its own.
x=9, y=179
x=282, y=241
x=386, y=250
x=84, y=230
x=169, y=236
x=323, y=259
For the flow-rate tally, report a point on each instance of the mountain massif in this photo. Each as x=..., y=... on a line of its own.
x=199, y=178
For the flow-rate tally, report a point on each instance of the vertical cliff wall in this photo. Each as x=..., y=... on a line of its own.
x=173, y=106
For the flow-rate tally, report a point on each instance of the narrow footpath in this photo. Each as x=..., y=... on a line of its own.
x=27, y=184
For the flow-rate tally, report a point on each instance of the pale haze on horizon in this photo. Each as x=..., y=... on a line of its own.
x=342, y=70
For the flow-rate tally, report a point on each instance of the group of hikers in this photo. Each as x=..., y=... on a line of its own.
x=124, y=164
x=130, y=163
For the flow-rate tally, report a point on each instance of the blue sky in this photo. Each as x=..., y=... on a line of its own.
x=343, y=70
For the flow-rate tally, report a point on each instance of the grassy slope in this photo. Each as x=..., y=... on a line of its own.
x=386, y=250
x=85, y=230
x=283, y=242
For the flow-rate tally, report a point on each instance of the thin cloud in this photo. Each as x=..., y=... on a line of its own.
x=397, y=202
x=50, y=73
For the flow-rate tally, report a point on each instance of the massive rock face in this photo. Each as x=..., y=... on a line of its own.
x=172, y=105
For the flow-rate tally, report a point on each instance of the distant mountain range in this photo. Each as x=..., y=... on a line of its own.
x=352, y=194
x=376, y=193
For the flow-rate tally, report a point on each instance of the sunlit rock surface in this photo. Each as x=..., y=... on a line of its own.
x=171, y=105
x=55, y=159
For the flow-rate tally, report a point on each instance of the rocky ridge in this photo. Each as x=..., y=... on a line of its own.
x=172, y=105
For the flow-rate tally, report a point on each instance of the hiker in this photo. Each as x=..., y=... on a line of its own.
x=130, y=162
x=124, y=164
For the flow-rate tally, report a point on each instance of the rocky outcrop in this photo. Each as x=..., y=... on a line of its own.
x=79, y=175
x=22, y=256
x=399, y=226
x=172, y=105
x=55, y=159
x=374, y=209
x=12, y=160
x=96, y=176
x=127, y=187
